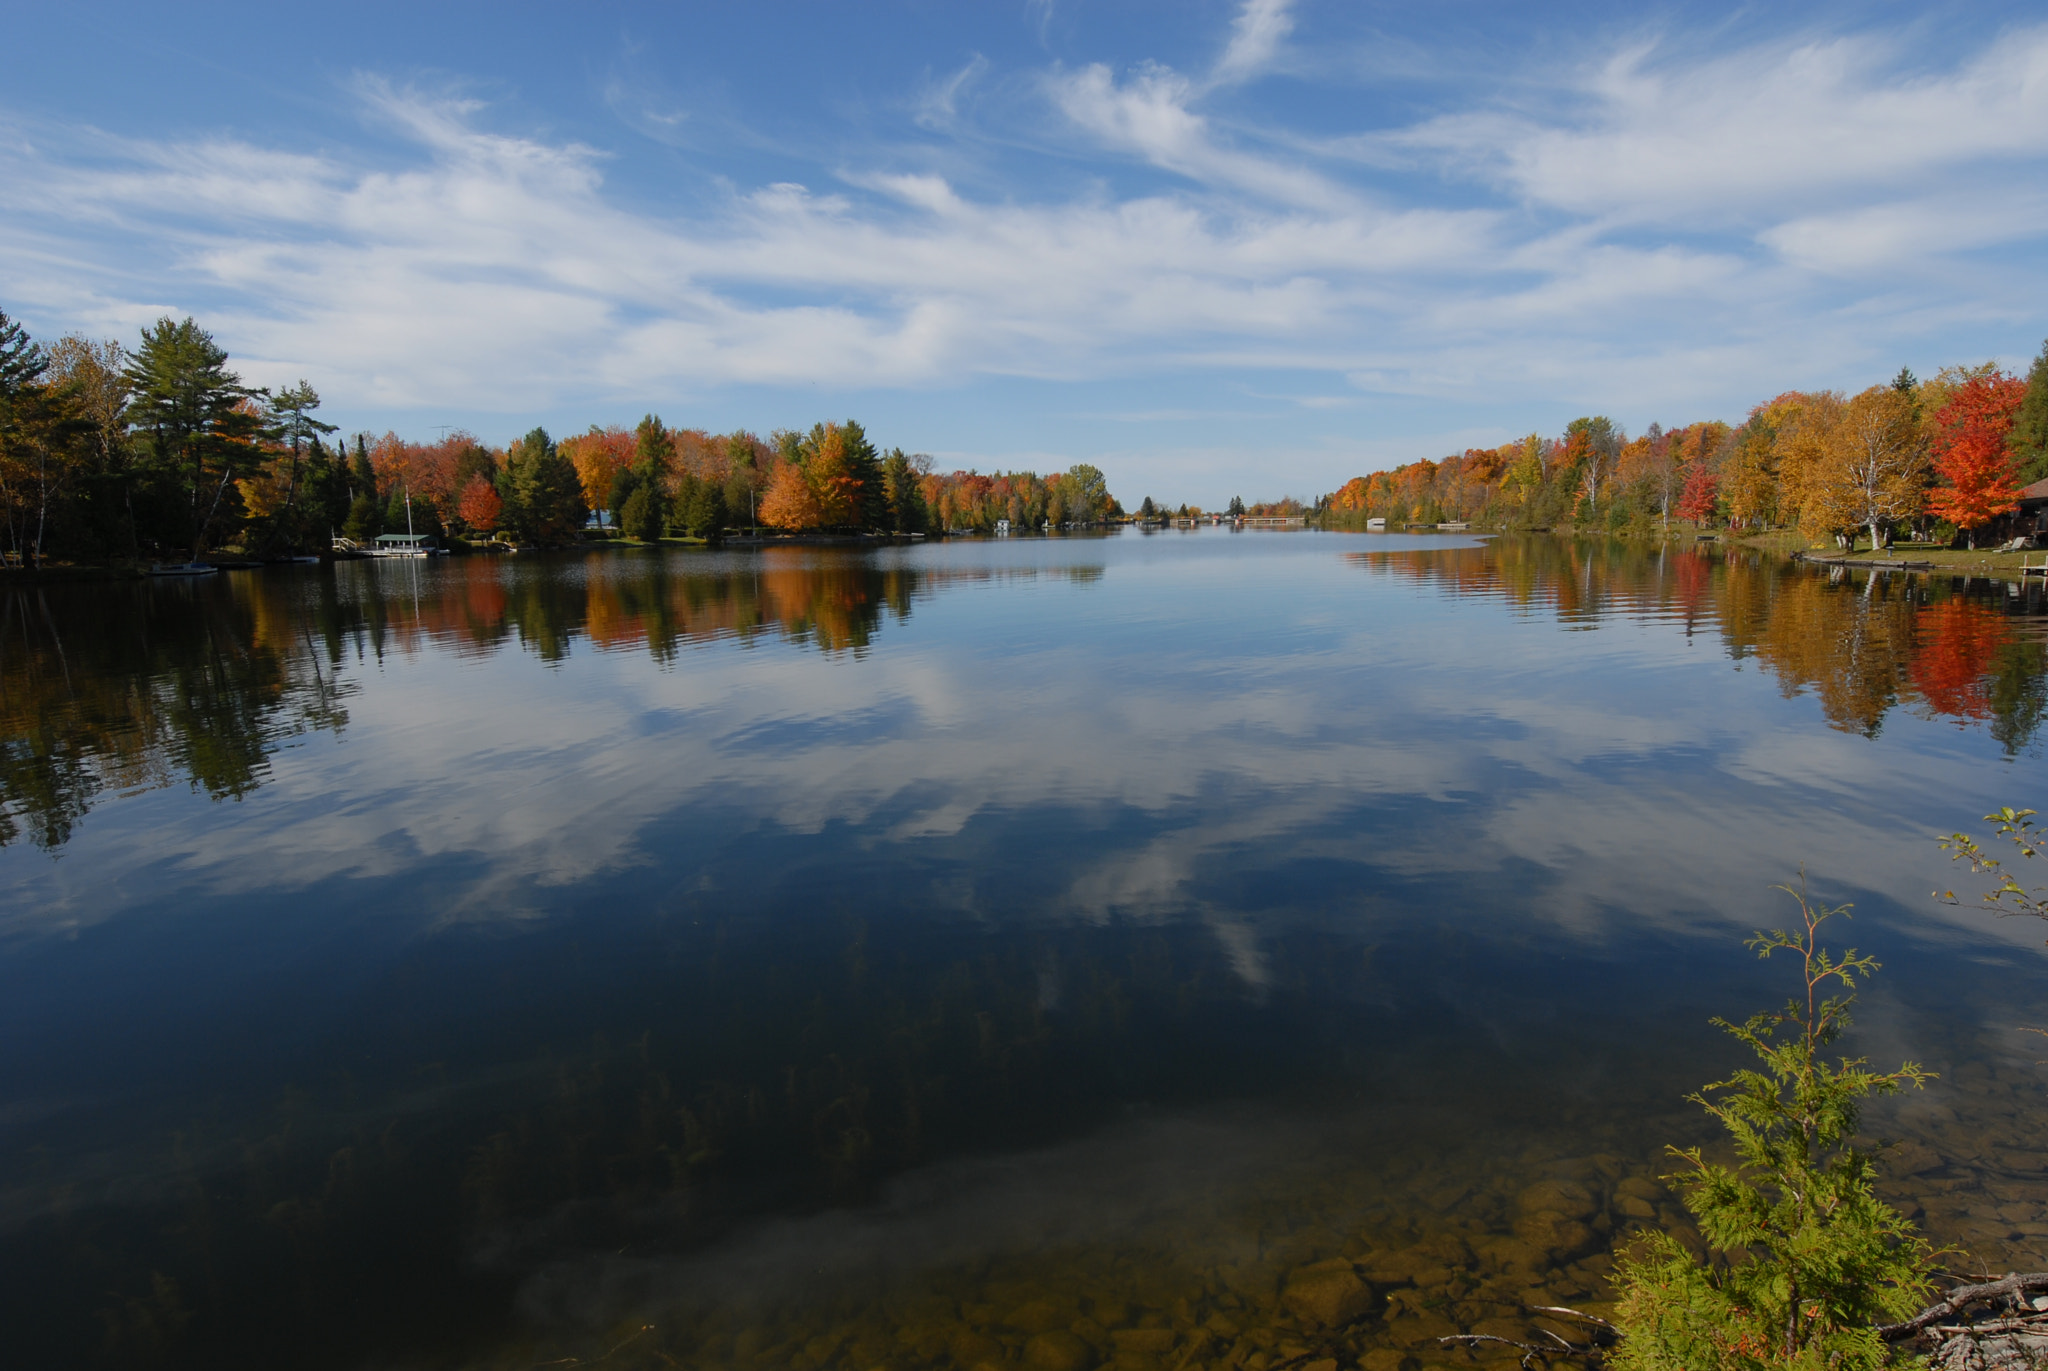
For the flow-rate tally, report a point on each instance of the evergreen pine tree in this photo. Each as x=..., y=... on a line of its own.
x=362, y=477
x=2028, y=440
x=640, y=514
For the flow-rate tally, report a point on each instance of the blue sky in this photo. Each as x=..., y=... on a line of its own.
x=1214, y=248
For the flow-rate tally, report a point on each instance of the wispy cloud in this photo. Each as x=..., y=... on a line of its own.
x=937, y=104
x=1647, y=136
x=1151, y=114
x=1255, y=38
x=1689, y=229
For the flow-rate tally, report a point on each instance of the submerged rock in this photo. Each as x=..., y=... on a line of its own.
x=1570, y=1198
x=1143, y=1339
x=1327, y=1293
x=1037, y=1316
x=1058, y=1351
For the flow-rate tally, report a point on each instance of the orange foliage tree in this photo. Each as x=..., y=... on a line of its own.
x=598, y=456
x=1970, y=454
x=835, y=476
x=478, y=507
x=428, y=471
x=789, y=501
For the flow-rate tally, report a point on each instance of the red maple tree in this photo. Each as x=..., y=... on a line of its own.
x=1696, y=502
x=1970, y=455
x=479, y=505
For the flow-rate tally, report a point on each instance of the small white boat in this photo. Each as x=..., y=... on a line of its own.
x=182, y=569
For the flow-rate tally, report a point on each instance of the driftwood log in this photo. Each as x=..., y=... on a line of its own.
x=1993, y=1325
x=1999, y=1325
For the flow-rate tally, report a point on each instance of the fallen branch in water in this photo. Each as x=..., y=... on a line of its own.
x=1603, y=1336
x=2012, y=1287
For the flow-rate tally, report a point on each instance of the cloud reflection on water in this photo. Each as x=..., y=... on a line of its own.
x=1252, y=706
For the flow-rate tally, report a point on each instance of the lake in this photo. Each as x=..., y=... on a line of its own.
x=1005, y=952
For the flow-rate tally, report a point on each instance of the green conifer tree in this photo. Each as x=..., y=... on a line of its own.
x=2028, y=440
x=640, y=514
x=1807, y=1261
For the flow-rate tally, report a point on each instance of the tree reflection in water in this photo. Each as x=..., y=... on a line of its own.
x=130, y=687
x=1861, y=643
x=638, y=1080
x=121, y=688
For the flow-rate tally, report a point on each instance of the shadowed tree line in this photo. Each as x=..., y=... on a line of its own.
x=112, y=689
x=115, y=689
x=137, y=686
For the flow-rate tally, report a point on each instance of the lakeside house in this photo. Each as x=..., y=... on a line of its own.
x=2032, y=517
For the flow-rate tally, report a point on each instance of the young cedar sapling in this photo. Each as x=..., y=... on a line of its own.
x=1805, y=1263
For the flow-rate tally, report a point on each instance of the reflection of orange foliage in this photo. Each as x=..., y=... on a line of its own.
x=1958, y=642
x=483, y=598
x=788, y=502
x=835, y=602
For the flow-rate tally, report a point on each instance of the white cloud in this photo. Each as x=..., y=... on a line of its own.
x=1255, y=38
x=937, y=104
x=1666, y=230
x=1150, y=115
x=1648, y=137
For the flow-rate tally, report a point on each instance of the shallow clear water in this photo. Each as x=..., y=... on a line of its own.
x=979, y=953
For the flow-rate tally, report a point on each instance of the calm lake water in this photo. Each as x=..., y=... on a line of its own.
x=1022, y=953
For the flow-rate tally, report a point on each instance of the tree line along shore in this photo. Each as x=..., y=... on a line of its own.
x=1945, y=461
x=113, y=455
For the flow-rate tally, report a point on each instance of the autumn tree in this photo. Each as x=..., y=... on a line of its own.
x=478, y=506
x=606, y=460
x=844, y=473
x=1090, y=499
x=1970, y=453
x=1593, y=444
x=92, y=374
x=1753, y=474
x=1701, y=494
x=1525, y=471
x=195, y=419
x=1856, y=463
x=22, y=364
x=789, y=502
x=41, y=440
